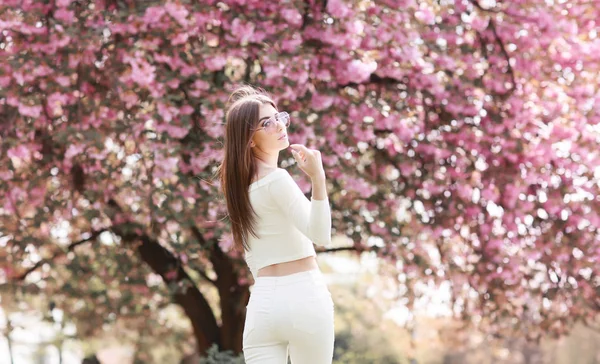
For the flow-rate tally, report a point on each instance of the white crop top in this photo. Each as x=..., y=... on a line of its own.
x=287, y=224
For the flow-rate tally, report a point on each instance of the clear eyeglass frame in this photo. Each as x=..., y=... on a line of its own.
x=270, y=124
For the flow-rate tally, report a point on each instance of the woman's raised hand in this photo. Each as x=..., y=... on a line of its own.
x=309, y=161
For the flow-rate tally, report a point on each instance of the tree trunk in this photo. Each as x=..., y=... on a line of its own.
x=91, y=360
x=233, y=299
x=194, y=304
x=233, y=296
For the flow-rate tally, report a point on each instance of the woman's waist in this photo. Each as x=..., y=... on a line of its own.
x=312, y=274
x=287, y=268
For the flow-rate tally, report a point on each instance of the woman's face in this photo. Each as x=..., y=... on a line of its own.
x=271, y=136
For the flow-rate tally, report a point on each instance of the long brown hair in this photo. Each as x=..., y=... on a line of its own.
x=238, y=167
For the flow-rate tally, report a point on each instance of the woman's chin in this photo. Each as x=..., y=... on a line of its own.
x=285, y=143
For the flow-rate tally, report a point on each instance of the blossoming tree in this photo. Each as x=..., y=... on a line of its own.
x=459, y=139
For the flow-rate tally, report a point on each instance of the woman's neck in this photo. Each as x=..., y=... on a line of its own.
x=267, y=162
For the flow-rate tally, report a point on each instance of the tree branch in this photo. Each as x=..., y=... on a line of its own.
x=202, y=273
x=187, y=295
x=233, y=295
x=500, y=43
x=164, y=263
x=376, y=80
x=354, y=248
x=511, y=72
x=70, y=248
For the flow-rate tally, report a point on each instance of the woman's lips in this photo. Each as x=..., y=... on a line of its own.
x=283, y=136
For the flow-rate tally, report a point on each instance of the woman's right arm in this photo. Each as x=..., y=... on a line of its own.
x=312, y=218
x=319, y=188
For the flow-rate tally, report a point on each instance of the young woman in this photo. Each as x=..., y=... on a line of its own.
x=290, y=309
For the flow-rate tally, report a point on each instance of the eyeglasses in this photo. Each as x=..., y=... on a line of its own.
x=270, y=125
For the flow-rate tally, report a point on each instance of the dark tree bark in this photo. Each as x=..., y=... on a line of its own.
x=233, y=297
x=194, y=304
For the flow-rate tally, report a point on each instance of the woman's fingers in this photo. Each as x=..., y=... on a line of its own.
x=299, y=151
x=303, y=151
x=300, y=148
x=297, y=156
x=309, y=160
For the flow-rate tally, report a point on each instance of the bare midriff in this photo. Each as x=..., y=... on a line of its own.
x=286, y=268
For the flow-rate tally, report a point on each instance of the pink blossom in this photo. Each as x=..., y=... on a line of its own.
x=62, y=80
x=165, y=166
x=359, y=71
x=331, y=121
x=74, y=60
x=425, y=16
x=355, y=27
x=32, y=29
x=291, y=45
x=321, y=102
x=472, y=212
x=37, y=195
x=213, y=124
x=337, y=8
x=292, y=16
x=178, y=12
x=563, y=133
x=180, y=38
x=73, y=150
x=378, y=230
x=184, y=258
x=479, y=23
x=199, y=163
x=494, y=244
x=465, y=191
x=20, y=152
x=257, y=36
x=173, y=83
x=162, y=58
x=166, y=112
x=121, y=28
x=407, y=169
x=187, y=71
x=404, y=132
x=130, y=99
x=490, y=193
x=64, y=15
x=6, y=175
x=31, y=111
x=153, y=14
x=201, y=19
x=57, y=98
x=242, y=30
x=226, y=243
x=176, y=132
x=42, y=71
x=186, y=110
x=4, y=81
x=142, y=73
x=215, y=63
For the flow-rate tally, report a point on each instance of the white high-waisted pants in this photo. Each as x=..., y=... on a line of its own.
x=292, y=312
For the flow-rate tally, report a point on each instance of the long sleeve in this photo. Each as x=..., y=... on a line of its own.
x=312, y=218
